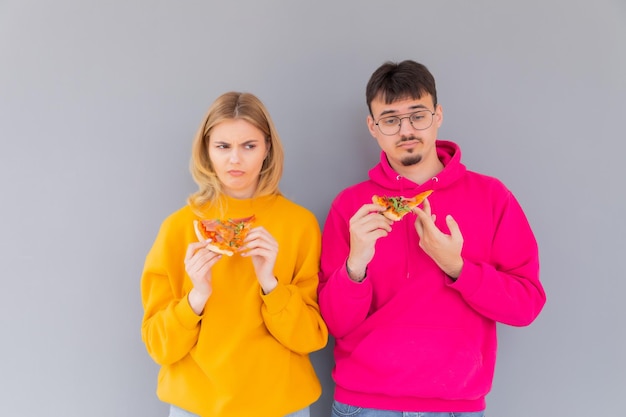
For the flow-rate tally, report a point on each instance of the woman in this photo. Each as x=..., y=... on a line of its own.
x=232, y=334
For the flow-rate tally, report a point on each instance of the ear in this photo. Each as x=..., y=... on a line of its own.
x=438, y=115
x=371, y=125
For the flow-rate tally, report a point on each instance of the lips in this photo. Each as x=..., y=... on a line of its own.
x=236, y=173
x=408, y=142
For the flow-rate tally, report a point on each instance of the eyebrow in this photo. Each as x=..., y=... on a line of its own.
x=247, y=142
x=415, y=107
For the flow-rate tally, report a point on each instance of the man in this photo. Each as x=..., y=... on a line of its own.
x=413, y=303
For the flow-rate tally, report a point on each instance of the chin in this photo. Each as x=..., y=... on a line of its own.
x=411, y=160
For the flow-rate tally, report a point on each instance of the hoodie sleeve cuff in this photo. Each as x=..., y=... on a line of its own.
x=185, y=315
x=276, y=300
x=356, y=289
x=468, y=282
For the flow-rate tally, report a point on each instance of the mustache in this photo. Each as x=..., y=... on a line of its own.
x=408, y=139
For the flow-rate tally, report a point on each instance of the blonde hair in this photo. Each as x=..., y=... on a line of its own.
x=230, y=106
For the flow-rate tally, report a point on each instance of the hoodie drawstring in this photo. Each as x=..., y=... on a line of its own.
x=407, y=228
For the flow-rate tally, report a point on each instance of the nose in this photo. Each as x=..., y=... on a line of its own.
x=234, y=155
x=406, y=127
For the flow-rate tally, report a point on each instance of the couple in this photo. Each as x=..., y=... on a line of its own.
x=412, y=304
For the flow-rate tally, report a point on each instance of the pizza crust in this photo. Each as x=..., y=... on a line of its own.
x=199, y=235
x=215, y=249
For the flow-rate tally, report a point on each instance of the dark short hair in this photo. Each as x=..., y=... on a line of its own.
x=394, y=81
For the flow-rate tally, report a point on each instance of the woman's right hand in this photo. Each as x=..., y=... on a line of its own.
x=198, y=263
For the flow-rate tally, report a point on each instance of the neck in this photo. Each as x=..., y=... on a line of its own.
x=420, y=172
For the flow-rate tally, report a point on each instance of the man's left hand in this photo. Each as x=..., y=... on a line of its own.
x=444, y=249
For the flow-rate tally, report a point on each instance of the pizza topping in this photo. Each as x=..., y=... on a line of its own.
x=226, y=236
x=398, y=204
x=398, y=207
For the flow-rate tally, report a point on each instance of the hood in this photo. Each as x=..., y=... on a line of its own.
x=449, y=154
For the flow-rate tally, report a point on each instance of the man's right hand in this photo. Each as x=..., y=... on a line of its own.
x=366, y=227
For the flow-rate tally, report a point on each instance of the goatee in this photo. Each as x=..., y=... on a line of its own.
x=411, y=160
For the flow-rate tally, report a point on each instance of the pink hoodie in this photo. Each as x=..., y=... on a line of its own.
x=408, y=338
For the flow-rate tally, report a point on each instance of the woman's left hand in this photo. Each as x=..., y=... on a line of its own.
x=262, y=248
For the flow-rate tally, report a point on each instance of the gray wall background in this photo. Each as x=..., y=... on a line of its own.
x=99, y=102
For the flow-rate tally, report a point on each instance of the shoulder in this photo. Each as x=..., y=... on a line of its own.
x=356, y=191
x=486, y=183
x=177, y=227
x=485, y=190
x=288, y=218
x=177, y=224
x=287, y=207
x=285, y=202
x=181, y=215
x=353, y=197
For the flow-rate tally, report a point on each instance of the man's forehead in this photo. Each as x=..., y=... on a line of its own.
x=401, y=105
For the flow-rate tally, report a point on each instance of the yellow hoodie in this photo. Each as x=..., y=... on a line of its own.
x=247, y=354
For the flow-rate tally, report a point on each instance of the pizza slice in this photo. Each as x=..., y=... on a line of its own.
x=398, y=207
x=226, y=236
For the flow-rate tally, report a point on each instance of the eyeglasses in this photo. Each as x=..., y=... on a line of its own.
x=420, y=120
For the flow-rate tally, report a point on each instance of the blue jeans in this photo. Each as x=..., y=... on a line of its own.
x=179, y=412
x=345, y=410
